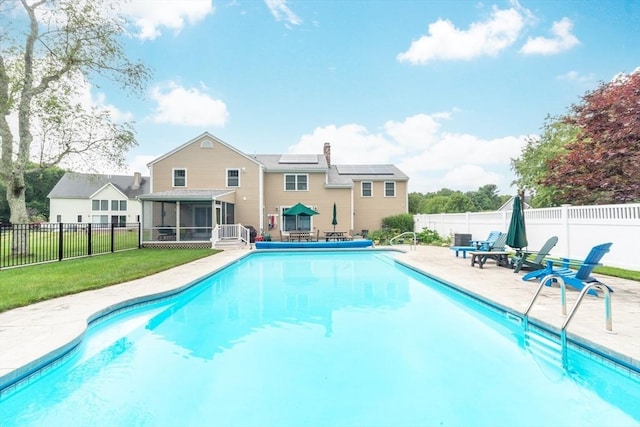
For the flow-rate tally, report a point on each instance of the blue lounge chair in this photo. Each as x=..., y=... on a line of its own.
x=576, y=278
x=533, y=260
x=485, y=245
x=496, y=251
x=475, y=245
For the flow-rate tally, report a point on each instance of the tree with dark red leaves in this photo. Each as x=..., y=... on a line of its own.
x=601, y=165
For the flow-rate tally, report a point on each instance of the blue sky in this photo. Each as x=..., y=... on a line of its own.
x=446, y=90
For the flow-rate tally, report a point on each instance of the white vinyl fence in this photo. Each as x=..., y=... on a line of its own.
x=578, y=228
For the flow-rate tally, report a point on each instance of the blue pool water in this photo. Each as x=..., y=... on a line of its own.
x=320, y=339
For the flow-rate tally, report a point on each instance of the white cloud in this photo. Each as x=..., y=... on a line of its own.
x=281, y=12
x=446, y=42
x=187, y=106
x=431, y=157
x=150, y=17
x=563, y=40
x=574, y=76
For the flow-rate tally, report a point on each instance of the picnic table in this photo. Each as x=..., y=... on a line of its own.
x=300, y=236
x=336, y=236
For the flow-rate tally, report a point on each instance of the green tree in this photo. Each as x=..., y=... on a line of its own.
x=531, y=167
x=414, y=202
x=46, y=48
x=433, y=204
x=458, y=203
x=485, y=199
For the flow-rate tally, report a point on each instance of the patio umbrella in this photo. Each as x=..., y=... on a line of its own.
x=334, y=221
x=299, y=209
x=517, y=234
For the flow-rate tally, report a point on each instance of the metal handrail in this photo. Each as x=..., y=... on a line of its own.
x=608, y=322
x=415, y=239
x=563, y=298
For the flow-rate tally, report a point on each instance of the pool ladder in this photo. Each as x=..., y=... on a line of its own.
x=414, y=238
x=563, y=300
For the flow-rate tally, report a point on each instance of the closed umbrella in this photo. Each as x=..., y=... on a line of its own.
x=517, y=234
x=334, y=221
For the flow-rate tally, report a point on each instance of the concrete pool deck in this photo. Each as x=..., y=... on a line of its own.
x=29, y=335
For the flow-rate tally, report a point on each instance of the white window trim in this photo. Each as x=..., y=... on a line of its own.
x=173, y=177
x=284, y=183
x=395, y=191
x=227, y=177
x=362, y=189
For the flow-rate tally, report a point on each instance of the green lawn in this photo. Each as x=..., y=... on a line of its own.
x=26, y=285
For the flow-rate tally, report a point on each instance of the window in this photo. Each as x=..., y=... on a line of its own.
x=79, y=218
x=295, y=182
x=58, y=218
x=179, y=177
x=114, y=205
x=233, y=177
x=100, y=205
x=297, y=222
x=366, y=189
x=123, y=205
x=390, y=189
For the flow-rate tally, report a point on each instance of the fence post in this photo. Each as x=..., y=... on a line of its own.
x=60, y=240
x=89, y=239
x=139, y=235
x=113, y=228
x=564, y=218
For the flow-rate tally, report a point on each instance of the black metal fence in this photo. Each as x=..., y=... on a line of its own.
x=22, y=244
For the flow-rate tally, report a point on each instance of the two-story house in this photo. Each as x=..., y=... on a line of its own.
x=95, y=198
x=206, y=183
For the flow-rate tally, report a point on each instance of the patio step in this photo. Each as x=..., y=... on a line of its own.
x=230, y=244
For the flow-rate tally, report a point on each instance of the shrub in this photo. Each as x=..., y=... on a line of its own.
x=431, y=237
x=401, y=223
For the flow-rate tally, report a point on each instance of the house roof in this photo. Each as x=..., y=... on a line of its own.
x=75, y=185
x=337, y=175
x=288, y=163
x=508, y=205
x=192, y=195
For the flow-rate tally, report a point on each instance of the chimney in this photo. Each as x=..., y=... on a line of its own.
x=137, y=179
x=327, y=153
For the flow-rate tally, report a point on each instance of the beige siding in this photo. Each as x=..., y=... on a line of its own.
x=369, y=211
x=317, y=197
x=207, y=170
x=259, y=196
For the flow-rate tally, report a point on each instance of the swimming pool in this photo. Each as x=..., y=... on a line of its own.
x=320, y=338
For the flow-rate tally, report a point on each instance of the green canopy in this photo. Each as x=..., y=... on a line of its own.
x=299, y=209
x=517, y=234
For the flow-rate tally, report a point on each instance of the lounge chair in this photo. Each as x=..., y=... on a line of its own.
x=576, y=278
x=533, y=260
x=496, y=251
x=475, y=245
x=485, y=245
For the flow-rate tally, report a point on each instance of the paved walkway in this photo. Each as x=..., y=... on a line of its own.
x=29, y=335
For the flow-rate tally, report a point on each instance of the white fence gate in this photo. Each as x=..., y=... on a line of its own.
x=578, y=228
